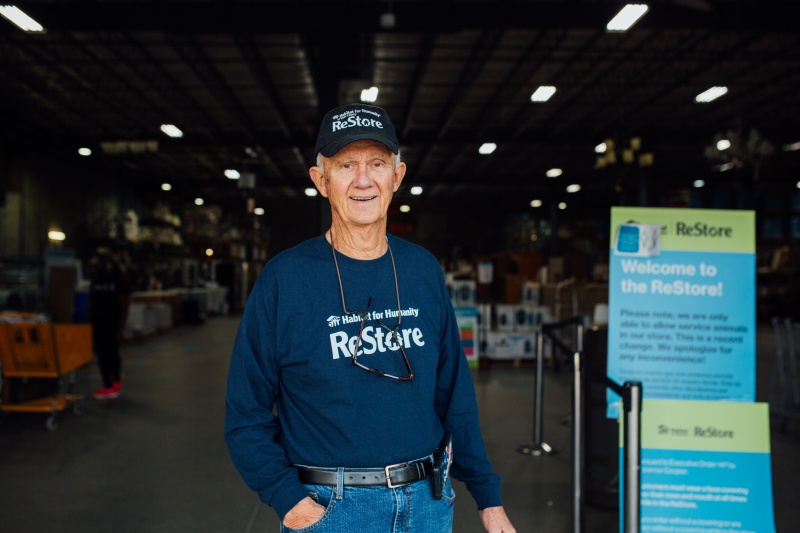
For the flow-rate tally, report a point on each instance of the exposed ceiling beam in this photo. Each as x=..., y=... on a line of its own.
x=423, y=16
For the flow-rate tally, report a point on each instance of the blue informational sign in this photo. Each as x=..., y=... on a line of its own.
x=682, y=304
x=705, y=468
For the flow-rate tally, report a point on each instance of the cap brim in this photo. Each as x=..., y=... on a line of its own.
x=331, y=149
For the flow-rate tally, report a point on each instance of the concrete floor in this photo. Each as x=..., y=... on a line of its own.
x=155, y=459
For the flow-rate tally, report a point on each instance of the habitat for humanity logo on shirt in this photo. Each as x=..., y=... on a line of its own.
x=374, y=338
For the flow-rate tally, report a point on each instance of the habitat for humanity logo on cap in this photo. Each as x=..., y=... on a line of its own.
x=355, y=122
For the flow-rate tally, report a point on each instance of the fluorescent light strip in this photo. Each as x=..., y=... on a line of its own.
x=554, y=172
x=627, y=17
x=369, y=95
x=791, y=147
x=487, y=148
x=20, y=19
x=543, y=93
x=172, y=130
x=710, y=95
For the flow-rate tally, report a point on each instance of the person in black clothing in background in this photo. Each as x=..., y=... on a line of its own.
x=108, y=311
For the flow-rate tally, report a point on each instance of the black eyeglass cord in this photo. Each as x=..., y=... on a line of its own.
x=396, y=286
x=363, y=316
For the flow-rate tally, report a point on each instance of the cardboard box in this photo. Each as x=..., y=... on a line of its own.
x=484, y=317
x=505, y=317
x=530, y=317
x=528, y=265
x=500, y=345
x=530, y=293
x=513, y=289
x=462, y=292
x=555, y=269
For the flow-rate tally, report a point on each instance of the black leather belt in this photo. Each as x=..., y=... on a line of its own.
x=390, y=476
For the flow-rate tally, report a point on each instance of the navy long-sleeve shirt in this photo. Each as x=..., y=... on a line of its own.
x=293, y=351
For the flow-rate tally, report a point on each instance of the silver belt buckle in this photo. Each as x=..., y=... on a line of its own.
x=389, y=479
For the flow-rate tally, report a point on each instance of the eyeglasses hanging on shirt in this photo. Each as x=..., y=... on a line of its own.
x=365, y=314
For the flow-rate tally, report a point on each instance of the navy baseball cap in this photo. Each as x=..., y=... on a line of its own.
x=355, y=122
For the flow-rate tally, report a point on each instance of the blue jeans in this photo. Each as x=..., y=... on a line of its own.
x=408, y=509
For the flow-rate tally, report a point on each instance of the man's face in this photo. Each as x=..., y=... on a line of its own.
x=359, y=182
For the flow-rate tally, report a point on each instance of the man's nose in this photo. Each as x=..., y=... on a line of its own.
x=363, y=178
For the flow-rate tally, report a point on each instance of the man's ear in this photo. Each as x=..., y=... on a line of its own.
x=399, y=174
x=319, y=180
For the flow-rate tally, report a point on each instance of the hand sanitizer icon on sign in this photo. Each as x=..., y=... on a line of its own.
x=638, y=240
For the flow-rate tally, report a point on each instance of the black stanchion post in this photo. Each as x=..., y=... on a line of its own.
x=632, y=403
x=577, y=445
x=538, y=447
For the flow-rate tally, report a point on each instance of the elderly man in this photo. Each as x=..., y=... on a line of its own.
x=351, y=337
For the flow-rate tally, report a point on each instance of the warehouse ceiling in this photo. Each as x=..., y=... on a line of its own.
x=248, y=81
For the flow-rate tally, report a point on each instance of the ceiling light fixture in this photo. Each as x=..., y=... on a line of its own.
x=85, y=152
x=55, y=235
x=198, y=201
x=536, y=203
x=405, y=208
x=487, y=148
x=554, y=173
x=172, y=130
x=232, y=174
x=723, y=144
x=626, y=18
x=166, y=187
x=710, y=95
x=258, y=211
x=209, y=252
x=698, y=184
x=21, y=19
x=369, y=95
x=543, y=93
x=388, y=20
x=311, y=192
x=791, y=147
x=562, y=205
x=416, y=190
x=573, y=188
x=601, y=148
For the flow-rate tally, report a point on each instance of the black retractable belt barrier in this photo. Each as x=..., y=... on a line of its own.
x=631, y=395
x=539, y=447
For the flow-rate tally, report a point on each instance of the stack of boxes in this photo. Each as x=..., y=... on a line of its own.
x=462, y=295
x=498, y=331
x=518, y=292
x=511, y=329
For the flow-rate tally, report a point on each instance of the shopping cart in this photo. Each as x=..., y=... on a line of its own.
x=33, y=349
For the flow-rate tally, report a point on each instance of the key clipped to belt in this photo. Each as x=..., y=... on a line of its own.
x=442, y=459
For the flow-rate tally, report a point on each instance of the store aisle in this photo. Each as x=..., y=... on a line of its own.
x=155, y=459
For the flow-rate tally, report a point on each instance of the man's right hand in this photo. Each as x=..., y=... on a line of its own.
x=305, y=513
